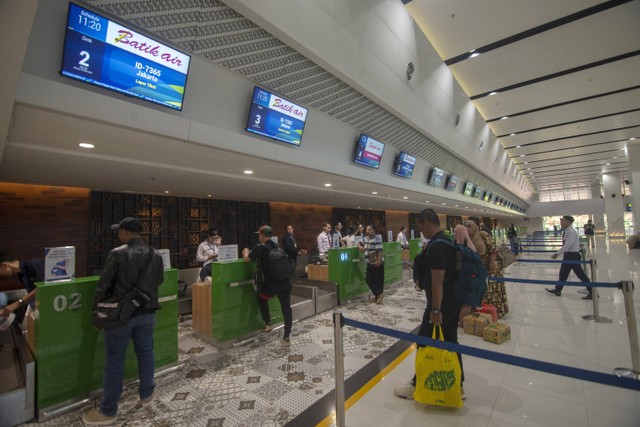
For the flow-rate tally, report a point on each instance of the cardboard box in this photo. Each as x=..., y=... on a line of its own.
x=496, y=333
x=474, y=323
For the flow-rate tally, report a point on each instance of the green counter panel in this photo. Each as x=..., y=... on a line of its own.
x=392, y=262
x=347, y=268
x=234, y=303
x=70, y=351
x=415, y=246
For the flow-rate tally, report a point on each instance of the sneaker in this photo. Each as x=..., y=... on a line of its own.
x=405, y=392
x=267, y=327
x=463, y=396
x=553, y=291
x=286, y=342
x=148, y=400
x=94, y=417
x=379, y=298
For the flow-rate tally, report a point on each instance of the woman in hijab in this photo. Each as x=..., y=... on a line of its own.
x=461, y=236
x=486, y=248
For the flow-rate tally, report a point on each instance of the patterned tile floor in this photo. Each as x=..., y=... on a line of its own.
x=263, y=383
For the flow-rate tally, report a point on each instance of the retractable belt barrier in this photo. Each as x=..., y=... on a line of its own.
x=566, y=371
x=555, y=282
x=555, y=261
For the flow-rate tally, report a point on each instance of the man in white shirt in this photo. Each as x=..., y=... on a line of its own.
x=402, y=238
x=324, y=239
x=571, y=252
x=208, y=252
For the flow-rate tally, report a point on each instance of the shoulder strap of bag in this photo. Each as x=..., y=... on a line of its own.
x=134, y=291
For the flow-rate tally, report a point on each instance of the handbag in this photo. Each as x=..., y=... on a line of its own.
x=115, y=312
x=505, y=256
x=438, y=376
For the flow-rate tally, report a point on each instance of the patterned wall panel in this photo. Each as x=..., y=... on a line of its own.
x=175, y=223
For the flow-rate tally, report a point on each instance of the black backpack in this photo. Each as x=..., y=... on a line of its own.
x=420, y=269
x=279, y=268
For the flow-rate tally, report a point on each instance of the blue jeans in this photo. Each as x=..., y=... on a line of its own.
x=140, y=330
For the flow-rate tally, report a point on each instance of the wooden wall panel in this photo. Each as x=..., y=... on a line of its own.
x=33, y=217
x=306, y=220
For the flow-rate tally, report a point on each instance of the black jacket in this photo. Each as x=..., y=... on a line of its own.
x=122, y=269
x=290, y=247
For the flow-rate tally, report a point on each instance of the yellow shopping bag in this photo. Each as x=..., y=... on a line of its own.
x=438, y=376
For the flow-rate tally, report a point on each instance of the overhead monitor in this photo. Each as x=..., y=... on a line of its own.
x=103, y=52
x=368, y=152
x=452, y=182
x=435, y=177
x=275, y=117
x=468, y=188
x=404, y=165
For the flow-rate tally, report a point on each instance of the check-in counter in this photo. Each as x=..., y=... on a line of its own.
x=347, y=267
x=69, y=351
x=227, y=311
x=17, y=370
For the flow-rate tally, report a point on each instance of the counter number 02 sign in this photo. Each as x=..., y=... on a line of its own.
x=72, y=302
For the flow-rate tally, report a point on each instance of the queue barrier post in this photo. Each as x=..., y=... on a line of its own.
x=595, y=297
x=338, y=322
x=632, y=326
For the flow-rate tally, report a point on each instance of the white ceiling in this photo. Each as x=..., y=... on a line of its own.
x=566, y=73
x=565, y=144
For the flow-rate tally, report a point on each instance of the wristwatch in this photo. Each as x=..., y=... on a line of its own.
x=436, y=311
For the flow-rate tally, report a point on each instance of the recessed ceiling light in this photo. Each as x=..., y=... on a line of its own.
x=327, y=185
x=166, y=191
x=614, y=158
x=209, y=195
x=405, y=197
x=374, y=192
x=456, y=206
x=512, y=134
x=86, y=145
x=608, y=164
x=504, y=118
x=473, y=55
x=522, y=155
x=444, y=204
x=248, y=172
x=526, y=163
x=426, y=201
x=630, y=139
x=493, y=93
x=518, y=146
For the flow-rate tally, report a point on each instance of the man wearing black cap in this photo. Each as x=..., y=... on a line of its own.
x=208, y=252
x=134, y=264
x=268, y=286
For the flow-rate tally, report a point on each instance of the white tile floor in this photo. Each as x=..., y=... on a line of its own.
x=544, y=327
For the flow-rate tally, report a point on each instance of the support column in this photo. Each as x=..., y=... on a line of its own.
x=613, y=205
x=16, y=19
x=633, y=156
x=598, y=218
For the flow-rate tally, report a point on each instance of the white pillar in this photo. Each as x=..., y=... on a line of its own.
x=598, y=218
x=613, y=205
x=633, y=156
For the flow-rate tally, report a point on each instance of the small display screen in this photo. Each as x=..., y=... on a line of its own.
x=452, y=182
x=468, y=188
x=478, y=192
x=368, y=152
x=435, y=177
x=404, y=165
x=275, y=117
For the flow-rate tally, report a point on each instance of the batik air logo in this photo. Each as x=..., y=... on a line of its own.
x=285, y=107
x=374, y=147
x=145, y=47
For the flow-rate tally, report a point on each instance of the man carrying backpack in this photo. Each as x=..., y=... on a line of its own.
x=440, y=275
x=273, y=279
